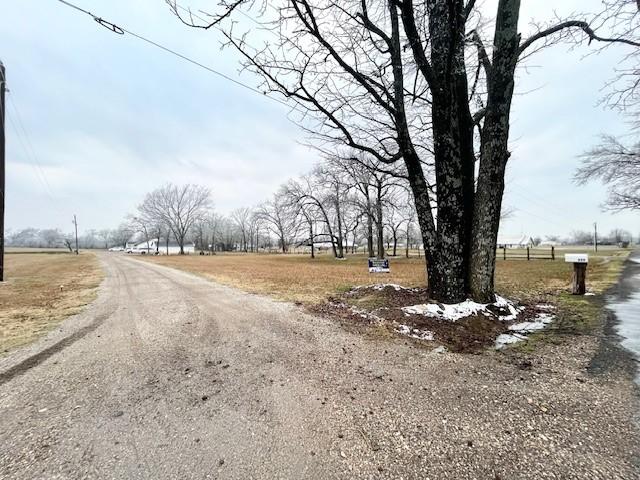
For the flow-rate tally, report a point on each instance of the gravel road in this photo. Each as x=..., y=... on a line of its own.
x=174, y=377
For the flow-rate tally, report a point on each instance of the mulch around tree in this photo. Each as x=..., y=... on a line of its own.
x=381, y=306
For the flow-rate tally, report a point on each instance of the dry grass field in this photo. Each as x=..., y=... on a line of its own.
x=298, y=278
x=41, y=289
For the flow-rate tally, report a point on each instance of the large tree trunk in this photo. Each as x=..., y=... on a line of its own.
x=454, y=214
x=446, y=249
x=494, y=153
x=442, y=283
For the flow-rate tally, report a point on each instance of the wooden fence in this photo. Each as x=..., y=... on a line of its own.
x=526, y=253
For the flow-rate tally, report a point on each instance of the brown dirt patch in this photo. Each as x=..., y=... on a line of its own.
x=380, y=307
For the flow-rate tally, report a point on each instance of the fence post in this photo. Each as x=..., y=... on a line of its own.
x=528, y=253
x=504, y=253
x=553, y=252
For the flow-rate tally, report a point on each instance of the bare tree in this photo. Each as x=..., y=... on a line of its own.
x=215, y=222
x=619, y=236
x=308, y=197
x=51, y=237
x=613, y=162
x=140, y=224
x=105, y=236
x=393, y=79
x=122, y=234
x=280, y=220
x=242, y=219
x=581, y=237
x=335, y=193
x=178, y=207
x=374, y=183
x=397, y=215
x=616, y=166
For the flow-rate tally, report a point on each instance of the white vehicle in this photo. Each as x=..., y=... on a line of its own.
x=116, y=249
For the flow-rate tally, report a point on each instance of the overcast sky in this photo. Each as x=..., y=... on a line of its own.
x=108, y=118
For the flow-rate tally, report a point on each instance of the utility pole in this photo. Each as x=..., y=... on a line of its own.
x=595, y=236
x=75, y=223
x=3, y=87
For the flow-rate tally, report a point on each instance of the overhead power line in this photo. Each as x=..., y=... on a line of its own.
x=121, y=30
x=30, y=151
x=30, y=154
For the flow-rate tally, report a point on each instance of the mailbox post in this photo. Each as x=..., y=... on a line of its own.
x=580, y=261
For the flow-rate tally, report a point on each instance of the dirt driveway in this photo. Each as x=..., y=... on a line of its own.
x=173, y=377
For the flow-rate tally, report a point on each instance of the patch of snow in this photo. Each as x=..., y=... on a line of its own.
x=501, y=301
x=456, y=311
x=382, y=286
x=545, y=306
x=505, y=339
x=540, y=322
x=527, y=327
x=453, y=311
x=415, y=332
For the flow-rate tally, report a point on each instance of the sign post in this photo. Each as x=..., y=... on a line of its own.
x=378, y=265
x=580, y=261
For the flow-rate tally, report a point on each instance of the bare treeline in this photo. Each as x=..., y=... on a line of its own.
x=336, y=207
x=344, y=205
x=56, y=238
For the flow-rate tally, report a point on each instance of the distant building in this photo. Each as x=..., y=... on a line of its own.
x=160, y=245
x=520, y=241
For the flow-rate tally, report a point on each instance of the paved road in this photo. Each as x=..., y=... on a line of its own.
x=625, y=303
x=173, y=377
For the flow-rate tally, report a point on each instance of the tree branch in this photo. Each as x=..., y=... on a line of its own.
x=582, y=25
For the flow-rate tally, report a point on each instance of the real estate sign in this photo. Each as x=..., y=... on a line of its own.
x=377, y=265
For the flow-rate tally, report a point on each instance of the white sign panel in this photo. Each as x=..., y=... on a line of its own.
x=378, y=265
x=576, y=258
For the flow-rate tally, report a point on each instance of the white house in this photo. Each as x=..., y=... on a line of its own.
x=154, y=245
x=518, y=241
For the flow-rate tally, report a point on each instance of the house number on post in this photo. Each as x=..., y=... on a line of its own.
x=580, y=261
